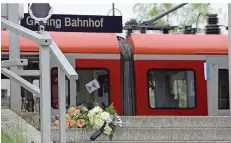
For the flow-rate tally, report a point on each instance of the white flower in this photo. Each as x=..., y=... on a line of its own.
x=107, y=130
x=98, y=123
x=92, y=120
x=97, y=110
x=94, y=111
x=105, y=116
x=90, y=114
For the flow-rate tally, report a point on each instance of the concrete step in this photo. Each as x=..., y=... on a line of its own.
x=159, y=142
x=149, y=142
x=166, y=129
x=152, y=134
x=176, y=121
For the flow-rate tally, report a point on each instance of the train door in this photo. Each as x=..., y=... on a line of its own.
x=107, y=72
x=217, y=75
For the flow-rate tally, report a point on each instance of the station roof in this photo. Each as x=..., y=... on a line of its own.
x=179, y=44
x=71, y=42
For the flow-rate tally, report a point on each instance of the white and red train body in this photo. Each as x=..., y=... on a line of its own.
x=145, y=74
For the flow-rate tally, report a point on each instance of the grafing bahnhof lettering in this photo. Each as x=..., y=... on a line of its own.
x=70, y=22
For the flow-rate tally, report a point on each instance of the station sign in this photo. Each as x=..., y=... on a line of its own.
x=77, y=23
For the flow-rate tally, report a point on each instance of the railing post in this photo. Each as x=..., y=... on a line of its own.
x=47, y=45
x=229, y=49
x=15, y=88
x=62, y=106
x=45, y=86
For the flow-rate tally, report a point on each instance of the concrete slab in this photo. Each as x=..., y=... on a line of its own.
x=10, y=121
x=153, y=134
x=152, y=142
x=176, y=121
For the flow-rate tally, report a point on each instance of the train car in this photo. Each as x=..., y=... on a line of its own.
x=173, y=66
x=144, y=74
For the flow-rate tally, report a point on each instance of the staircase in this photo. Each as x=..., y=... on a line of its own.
x=163, y=129
x=152, y=129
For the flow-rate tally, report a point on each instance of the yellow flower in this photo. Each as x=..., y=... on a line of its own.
x=80, y=123
x=68, y=117
x=72, y=123
x=70, y=110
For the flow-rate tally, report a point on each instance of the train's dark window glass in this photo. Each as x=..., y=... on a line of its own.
x=54, y=89
x=101, y=95
x=171, y=88
x=223, y=89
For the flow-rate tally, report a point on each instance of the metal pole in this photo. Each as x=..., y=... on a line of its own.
x=45, y=86
x=62, y=106
x=164, y=13
x=14, y=53
x=229, y=25
x=113, y=9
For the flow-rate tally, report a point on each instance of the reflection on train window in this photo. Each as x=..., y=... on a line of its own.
x=101, y=95
x=223, y=89
x=171, y=88
x=54, y=89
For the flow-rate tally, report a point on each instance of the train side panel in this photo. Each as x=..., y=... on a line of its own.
x=168, y=99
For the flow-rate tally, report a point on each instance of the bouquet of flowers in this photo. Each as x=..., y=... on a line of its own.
x=104, y=120
x=76, y=117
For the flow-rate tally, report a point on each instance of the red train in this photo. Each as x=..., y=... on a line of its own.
x=145, y=74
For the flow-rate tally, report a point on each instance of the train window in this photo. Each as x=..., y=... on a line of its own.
x=171, y=88
x=101, y=95
x=223, y=89
x=54, y=89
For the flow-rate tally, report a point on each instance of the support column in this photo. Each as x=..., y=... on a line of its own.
x=45, y=94
x=14, y=53
x=73, y=92
x=73, y=87
x=62, y=106
x=229, y=20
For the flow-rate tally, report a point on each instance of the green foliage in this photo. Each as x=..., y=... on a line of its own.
x=187, y=14
x=83, y=108
x=12, y=135
x=111, y=110
x=5, y=138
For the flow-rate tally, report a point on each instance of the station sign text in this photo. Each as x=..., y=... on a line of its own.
x=77, y=23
